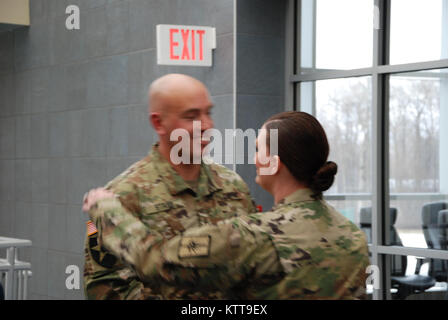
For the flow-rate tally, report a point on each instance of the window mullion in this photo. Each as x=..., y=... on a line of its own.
x=380, y=97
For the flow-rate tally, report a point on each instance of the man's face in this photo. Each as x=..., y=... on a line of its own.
x=185, y=110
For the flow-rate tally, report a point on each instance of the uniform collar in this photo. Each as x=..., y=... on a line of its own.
x=207, y=182
x=299, y=195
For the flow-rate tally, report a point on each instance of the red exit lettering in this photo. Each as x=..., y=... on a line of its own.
x=188, y=51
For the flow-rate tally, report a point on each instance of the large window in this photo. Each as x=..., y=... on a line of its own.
x=344, y=106
x=375, y=74
x=340, y=45
x=416, y=31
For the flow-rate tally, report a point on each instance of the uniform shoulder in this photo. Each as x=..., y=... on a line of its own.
x=135, y=174
x=227, y=176
x=232, y=185
x=345, y=231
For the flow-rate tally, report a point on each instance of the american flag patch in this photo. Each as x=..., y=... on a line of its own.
x=91, y=229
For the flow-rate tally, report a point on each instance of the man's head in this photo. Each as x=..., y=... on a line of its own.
x=175, y=101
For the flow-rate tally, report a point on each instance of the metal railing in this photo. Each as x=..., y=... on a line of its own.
x=393, y=196
x=14, y=274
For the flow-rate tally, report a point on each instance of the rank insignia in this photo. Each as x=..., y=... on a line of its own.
x=193, y=247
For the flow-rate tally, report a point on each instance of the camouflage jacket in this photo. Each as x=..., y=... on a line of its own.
x=152, y=192
x=302, y=249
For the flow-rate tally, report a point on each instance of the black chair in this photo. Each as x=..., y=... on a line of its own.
x=434, y=225
x=442, y=221
x=404, y=284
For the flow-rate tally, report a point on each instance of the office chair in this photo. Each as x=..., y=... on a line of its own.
x=404, y=284
x=434, y=225
x=442, y=221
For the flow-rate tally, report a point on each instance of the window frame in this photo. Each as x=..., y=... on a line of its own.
x=379, y=72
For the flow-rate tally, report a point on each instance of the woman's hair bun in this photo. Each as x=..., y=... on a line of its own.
x=324, y=177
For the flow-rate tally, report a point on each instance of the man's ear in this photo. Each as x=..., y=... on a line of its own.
x=155, y=118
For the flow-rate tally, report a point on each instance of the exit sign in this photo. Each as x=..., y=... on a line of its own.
x=185, y=45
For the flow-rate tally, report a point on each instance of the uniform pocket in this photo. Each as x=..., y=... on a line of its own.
x=165, y=217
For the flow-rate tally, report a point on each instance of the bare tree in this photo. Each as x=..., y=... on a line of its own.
x=414, y=107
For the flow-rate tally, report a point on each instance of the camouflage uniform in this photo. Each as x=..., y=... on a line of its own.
x=302, y=249
x=152, y=192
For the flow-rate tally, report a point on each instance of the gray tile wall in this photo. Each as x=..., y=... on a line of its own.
x=73, y=115
x=73, y=108
x=260, y=73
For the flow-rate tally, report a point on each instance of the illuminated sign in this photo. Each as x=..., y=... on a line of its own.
x=185, y=45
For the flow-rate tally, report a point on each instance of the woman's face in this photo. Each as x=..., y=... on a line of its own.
x=262, y=161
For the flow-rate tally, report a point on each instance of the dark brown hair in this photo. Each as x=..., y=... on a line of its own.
x=303, y=148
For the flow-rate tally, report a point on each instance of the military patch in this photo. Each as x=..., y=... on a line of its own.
x=91, y=228
x=99, y=254
x=193, y=247
x=149, y=207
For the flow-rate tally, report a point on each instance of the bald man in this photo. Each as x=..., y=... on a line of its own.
x=167, y=197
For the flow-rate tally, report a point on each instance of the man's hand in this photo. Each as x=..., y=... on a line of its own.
x=94, y=195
